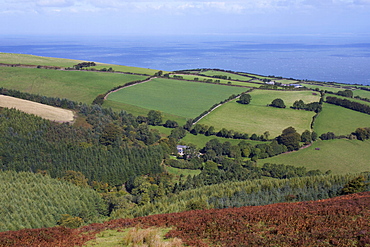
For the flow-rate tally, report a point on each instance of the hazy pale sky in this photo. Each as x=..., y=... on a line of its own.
x=121, y=17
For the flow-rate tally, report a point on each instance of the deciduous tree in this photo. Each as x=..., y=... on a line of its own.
x=290, y=138
x=154, y=118
x=245, y=99
x=279, y=103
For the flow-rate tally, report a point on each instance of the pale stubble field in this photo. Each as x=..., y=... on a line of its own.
x=38, y=109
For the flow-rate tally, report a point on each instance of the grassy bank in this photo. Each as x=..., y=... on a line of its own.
x=340, y=156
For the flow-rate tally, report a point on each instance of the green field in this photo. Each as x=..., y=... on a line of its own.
x=328, y=88
x=256, y=81
x=200, y=78
x=128, y=69
x=139, y=111
x=287, y=81
x=184, y=172
x=265, y=97
x=361, y=93
x=231, y=75
x=222, y=81
x=340, y=156
x=163, y=130
x=11, y=58
x=74, y=85
x=340, y=120
x=261, y=77
x=181, y=98
x=257, y=119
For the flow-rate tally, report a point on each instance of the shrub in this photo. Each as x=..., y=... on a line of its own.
x=69, y=221
x=150, y=237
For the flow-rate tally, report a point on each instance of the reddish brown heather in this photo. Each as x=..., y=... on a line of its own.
x=340, y=221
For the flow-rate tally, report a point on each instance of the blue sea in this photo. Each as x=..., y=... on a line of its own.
x=344, y=59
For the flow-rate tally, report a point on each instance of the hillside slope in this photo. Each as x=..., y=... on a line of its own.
x=340, y=221
x=45, y=111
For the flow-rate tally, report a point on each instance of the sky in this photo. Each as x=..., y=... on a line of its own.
x=170, y=17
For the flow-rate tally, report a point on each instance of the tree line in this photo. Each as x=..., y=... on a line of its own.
x=362, y=134
x=348, y=104
x=313, y=106
x=248, y=193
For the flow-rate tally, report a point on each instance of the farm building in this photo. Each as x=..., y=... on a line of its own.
x=296, y=85
x=180, y=149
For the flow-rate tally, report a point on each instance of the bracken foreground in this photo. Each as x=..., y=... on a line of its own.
x=340, y=221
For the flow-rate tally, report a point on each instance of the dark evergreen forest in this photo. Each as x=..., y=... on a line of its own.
x=111, y=151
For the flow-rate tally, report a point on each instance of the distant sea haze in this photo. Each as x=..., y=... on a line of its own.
x=343, y=59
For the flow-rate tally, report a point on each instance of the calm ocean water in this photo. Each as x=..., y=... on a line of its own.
x=343, y=59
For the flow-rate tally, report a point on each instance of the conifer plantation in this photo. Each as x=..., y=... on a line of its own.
x=30, y=200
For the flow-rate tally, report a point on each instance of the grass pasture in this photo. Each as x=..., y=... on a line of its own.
x=222, y=81
x=260, y=77
x=257, y=119
x=38, y=109
x=233, y=76
x=286, y=81
x=122, y=68
x=12, y=58
x=180, y=98
x=362, y=93
x=162, y=130
x=74, y=85
x=139, y=111
x=328, y=88
x=339, y=120
x=265, y=97
x=185, y=172
x=341, y=156
x=200, y=78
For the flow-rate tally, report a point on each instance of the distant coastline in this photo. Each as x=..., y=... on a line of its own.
x=338, y=60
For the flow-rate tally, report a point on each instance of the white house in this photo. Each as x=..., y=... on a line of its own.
x=180, y=149
x=296, y=85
